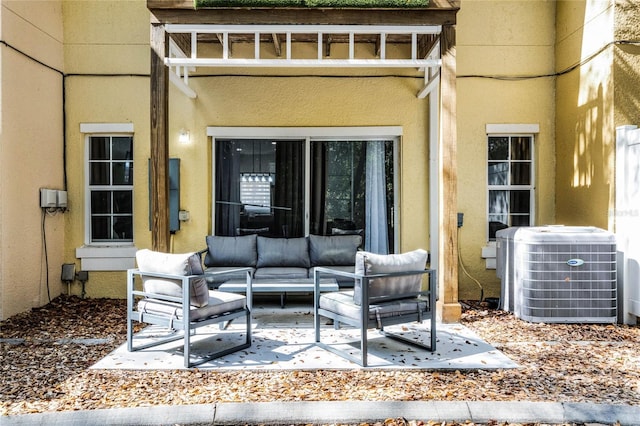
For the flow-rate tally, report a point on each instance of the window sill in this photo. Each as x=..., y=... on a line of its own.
x=107, y=258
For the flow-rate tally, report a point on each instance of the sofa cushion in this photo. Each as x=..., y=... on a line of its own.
x=336, y=250
x=173, y=264
x=289, y=252
x=215, y=280
x=281, y=272
x=231, y=251
x=371, y=264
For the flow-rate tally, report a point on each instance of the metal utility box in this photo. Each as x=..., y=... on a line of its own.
x=565, y=274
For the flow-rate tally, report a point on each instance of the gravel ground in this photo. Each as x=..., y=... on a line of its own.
x=46, y=355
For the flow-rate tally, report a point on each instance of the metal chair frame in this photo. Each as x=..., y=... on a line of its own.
x=365, y=322
x=184, y=324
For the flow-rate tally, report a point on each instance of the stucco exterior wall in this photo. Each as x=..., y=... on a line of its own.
x=31, y=153
x=626, y=65
x=585, y=127
x=495, y=40
x=107, y=64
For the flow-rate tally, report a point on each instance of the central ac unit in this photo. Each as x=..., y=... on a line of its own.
x=564, y=274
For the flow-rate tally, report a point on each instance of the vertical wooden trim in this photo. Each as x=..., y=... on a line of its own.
x=159, y=140
x=448, y=199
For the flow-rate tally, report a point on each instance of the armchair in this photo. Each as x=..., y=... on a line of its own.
x=175, y=295
x=388, y=290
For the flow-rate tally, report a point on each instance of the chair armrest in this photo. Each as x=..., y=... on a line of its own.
x=363, y=278
x=329, y=271
x=229, y=271
x=131, y=291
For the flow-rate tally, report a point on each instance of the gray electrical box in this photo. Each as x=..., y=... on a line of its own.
x=174, y=195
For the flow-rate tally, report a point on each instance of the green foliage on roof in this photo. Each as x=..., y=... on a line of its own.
x=314, y=3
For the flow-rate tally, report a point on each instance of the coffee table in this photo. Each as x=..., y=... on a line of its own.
x=279, y=286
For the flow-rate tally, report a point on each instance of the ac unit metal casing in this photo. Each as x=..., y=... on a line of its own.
x=505, y=266
x=564, y=274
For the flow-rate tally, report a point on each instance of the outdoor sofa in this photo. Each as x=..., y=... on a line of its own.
x=280, y=258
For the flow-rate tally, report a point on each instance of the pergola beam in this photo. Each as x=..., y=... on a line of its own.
x=159, y=140
x=448, y=199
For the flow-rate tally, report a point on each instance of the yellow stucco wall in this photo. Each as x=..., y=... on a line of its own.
x=31, y=153
x=107, y=64
x=501, y=39
x=626, y=65
x=585, y=185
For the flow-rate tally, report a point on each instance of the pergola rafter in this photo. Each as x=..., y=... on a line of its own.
x=417, y=37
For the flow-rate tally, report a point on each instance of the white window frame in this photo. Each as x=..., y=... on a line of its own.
x=96, y=130
x=512, y=130
x=309, y=134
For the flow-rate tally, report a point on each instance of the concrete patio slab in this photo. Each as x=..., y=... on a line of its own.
x=284, y=339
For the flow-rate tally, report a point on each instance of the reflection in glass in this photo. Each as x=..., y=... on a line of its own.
x=99, y=148
x=498, y=148
x=122, y=148
x=521, y=148
x=498, y=202
x=100, y=228
x=520, y=201
x=122, y=227
x=498, y=173
x=123, y=173
x=100, y=202
x=521, y=174
x=259, y=187
x=99, y=174
x=122, y=202
x=521, y=220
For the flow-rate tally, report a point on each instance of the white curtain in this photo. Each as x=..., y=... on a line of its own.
x=376, y=240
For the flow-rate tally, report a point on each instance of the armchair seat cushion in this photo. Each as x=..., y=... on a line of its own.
x=183, y=264
x=219, y=302
x=341, y=302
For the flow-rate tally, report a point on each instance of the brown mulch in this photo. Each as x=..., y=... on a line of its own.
x=46, y=355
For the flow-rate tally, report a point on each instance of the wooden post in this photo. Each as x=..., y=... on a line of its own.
x=448, y=199
x=159, y=140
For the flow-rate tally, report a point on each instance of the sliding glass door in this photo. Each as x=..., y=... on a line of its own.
x=293, y=187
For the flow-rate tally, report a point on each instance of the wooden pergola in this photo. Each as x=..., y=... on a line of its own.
x=177, y=28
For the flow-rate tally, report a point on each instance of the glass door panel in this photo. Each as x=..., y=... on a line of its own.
x=259, y=187
x=352, y=191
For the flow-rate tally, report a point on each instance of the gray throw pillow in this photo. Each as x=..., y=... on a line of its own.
x=291, y=252
x=173, y=264
x=371, y=264
x=231, y=251
x=336, y=250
